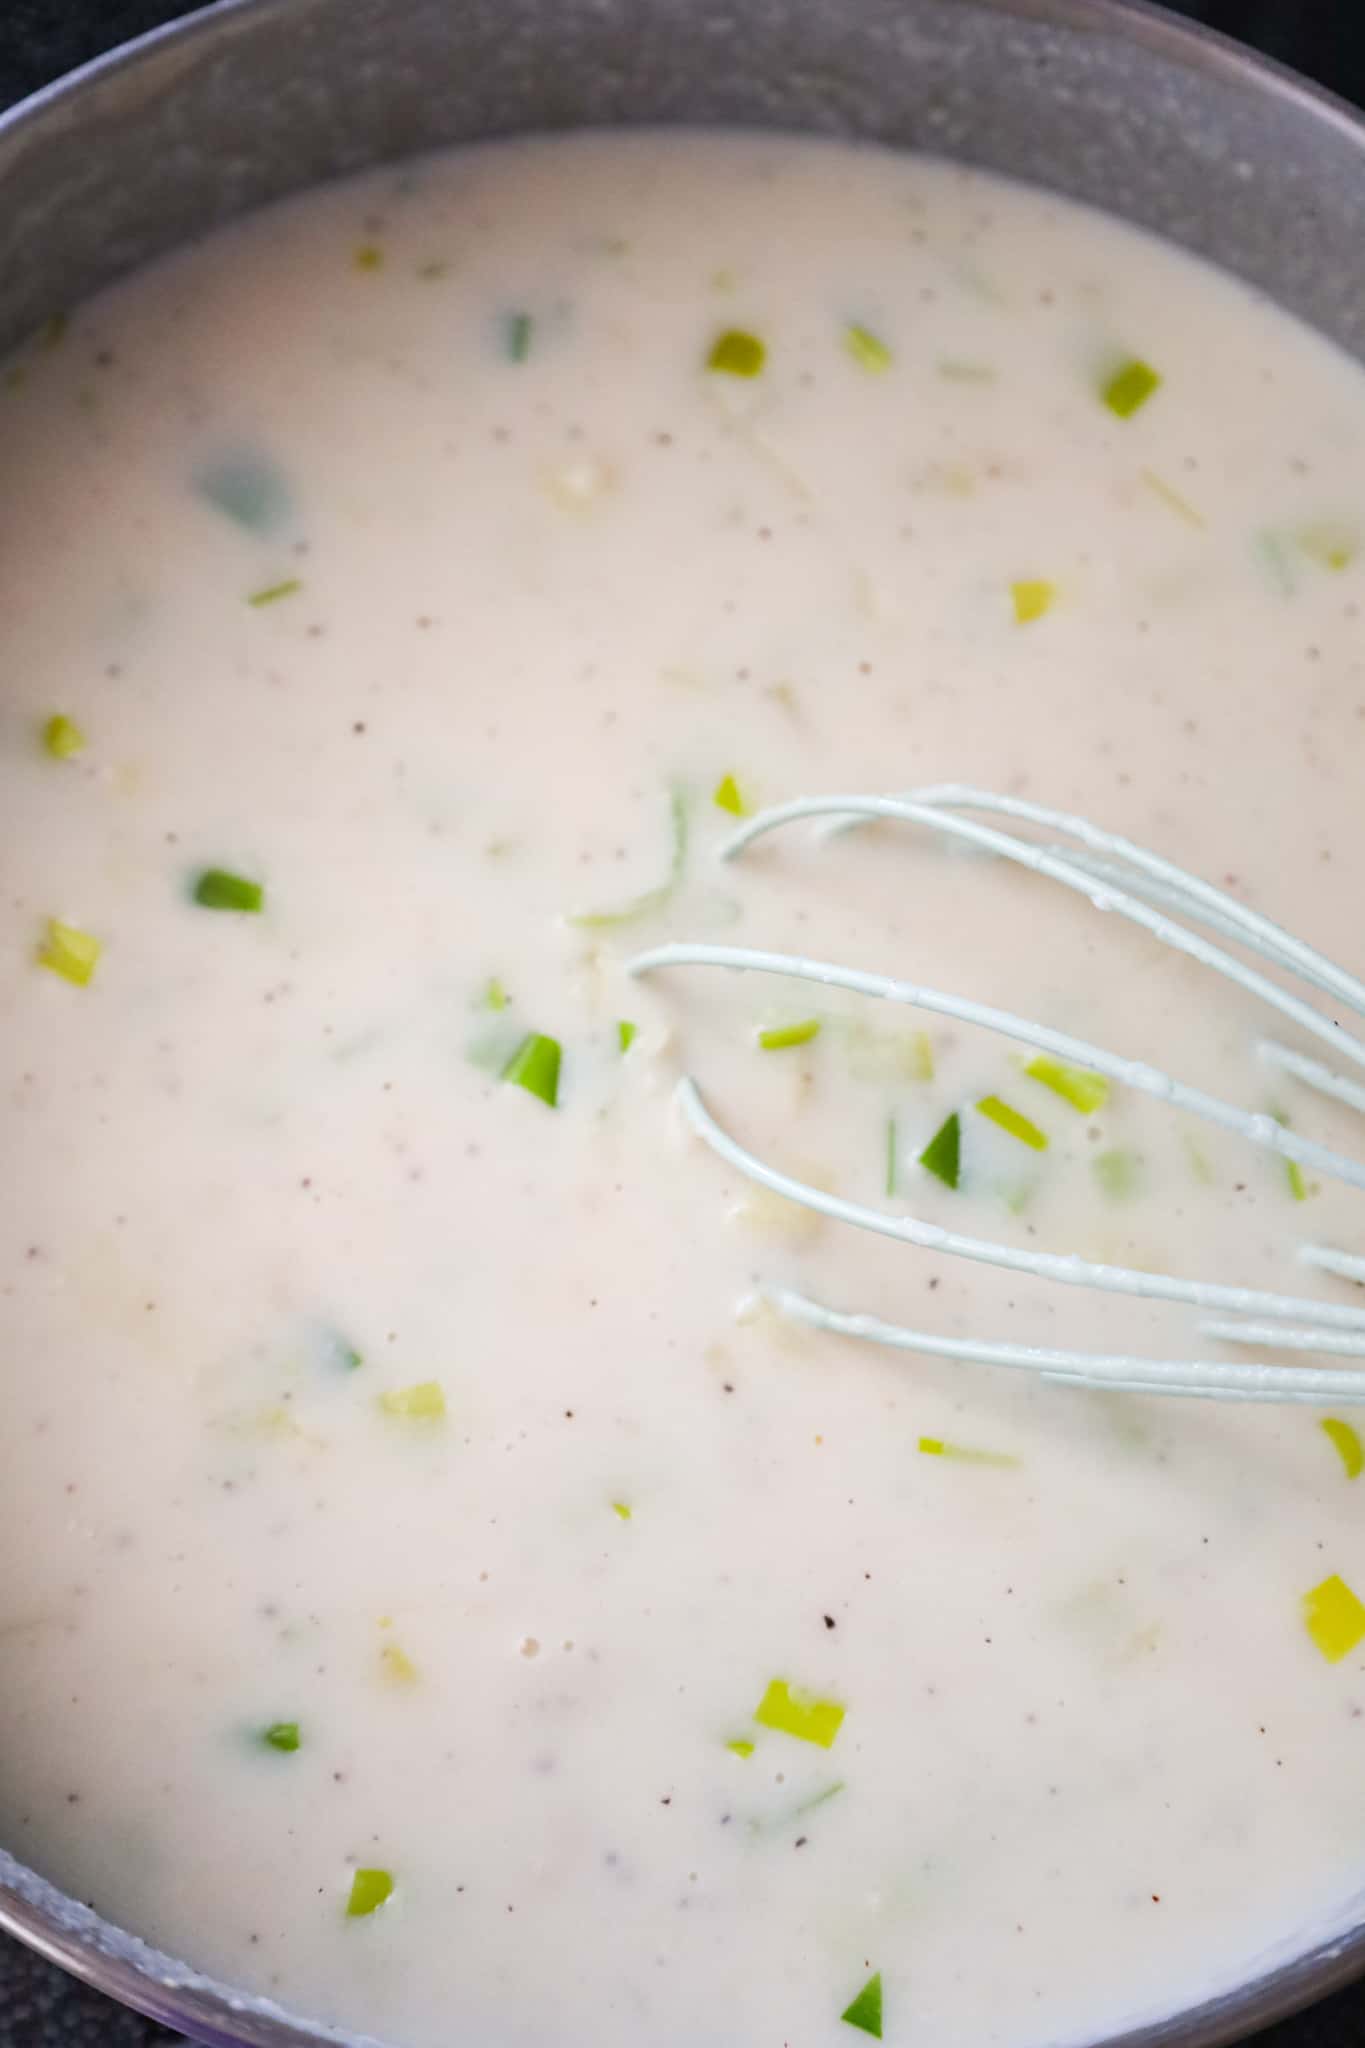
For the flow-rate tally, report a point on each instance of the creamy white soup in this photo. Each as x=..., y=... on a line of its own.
x=443, y=1592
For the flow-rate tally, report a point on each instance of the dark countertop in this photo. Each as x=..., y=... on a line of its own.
x=39, y=39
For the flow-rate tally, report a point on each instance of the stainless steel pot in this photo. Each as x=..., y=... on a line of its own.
x=1126, y=108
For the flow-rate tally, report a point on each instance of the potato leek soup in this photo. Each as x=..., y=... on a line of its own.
x=444, y=1593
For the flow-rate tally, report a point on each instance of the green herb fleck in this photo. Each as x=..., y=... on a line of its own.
x=1129, y=388
x=1031, y=599
x=942, y=1156
x=866, y=2010
x=741, y=1746
x=69, y=952
x=1334, y=1618
x=1118, y=1173
x=370, y=1889
x=652, y=900
x=867, y=349
x=273, y=592
x=625, y=1034
x=736, y=353
x=534, y=1066
x=1085, y=1091
x=1347, y=1444
x=217, y=889
x=1331, y=545
x=246, y=489
x=1011, y=1121
x=282, y=1735
x=793, y=1712
x=340, y=1351
x=781, y=1037
x=62, y=737
x=963, y=1454
x=516, y=336
x=368, y=256
x=621, y=1509
x=495, y=996
x=425, y=1402
x=726, y=797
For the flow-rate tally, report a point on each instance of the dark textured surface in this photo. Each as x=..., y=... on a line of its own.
x=40, y=39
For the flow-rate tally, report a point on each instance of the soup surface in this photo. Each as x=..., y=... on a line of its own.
x=443, y=1591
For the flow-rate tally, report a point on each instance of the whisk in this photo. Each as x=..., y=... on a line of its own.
x=1116, y=875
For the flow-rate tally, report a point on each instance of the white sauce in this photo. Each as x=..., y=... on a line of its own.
x=1092, y=1763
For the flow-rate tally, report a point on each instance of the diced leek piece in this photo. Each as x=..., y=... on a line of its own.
x=397, y=1666
x=62, y=737
x=247, y=489
x=370, y=1889
x=495, y=996
x=865, y=2012
x=516, y=336
x=534, y=1066
x=1118, y=1173
x=424, y=1402
x=621, y=1509
x=741, y=1746
x=1347, y=1444
x=69, y=952
x=1085, y=1091
x=892, y=1156
x=273, y=592
x=1130, y=387
x=1012, y=1121
x=282, y=1735
x=781, y=1037
x=217, y=889
x=625, y=1034
x=1334, y=1618
x=942, y=1156
x=1031, y=598
x=737, y=353
x=726, y=797
x=792, y=1712
x=963, y=1454
x=866, y=348
x=1331, y=545
x=653, y=899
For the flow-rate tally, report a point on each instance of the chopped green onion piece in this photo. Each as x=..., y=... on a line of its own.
x=1334, y=1618
x=736, y=353
x=741, y=1746
x=370, y=1889
x=866, y=2010
x=495, y=996
x=247, y=489
x=1347, y=1443
x=1119, y=1173
x=792, y=1712
x=653, y=899
x=1298, y=1186
x=726, y=797
x=625, y=1034
x=621, y=1508
x=62, y=737
x=69, y=952
x=891, y=1155
x=1129, y=388
x=283, y=1735
x=1330, y=545
x=923, y=1050
x=963, y=1454
x=517, y=336
x=340, y=1351
x=534, y=1066
x=216, y=889
x=425, y=1402
x=1085, y=1091
x=368, y=256
x=867, y=348
x=1031, y=599
x=273, y=592
x=397, y=1665
x=1010, y=1120
x=781, y=1037
x=942, y=1156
